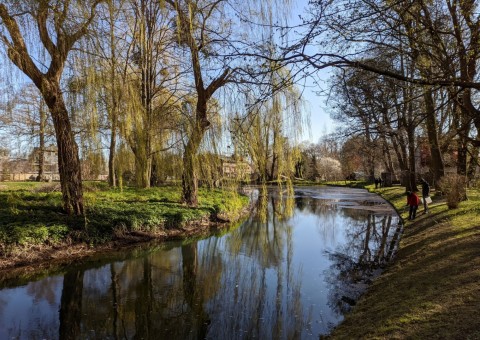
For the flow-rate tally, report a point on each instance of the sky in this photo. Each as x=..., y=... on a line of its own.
x=315, y=104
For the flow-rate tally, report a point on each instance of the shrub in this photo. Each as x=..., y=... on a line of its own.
x=454, y=187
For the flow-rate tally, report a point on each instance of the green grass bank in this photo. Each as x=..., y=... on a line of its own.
x=432, y=289
x=33, y=227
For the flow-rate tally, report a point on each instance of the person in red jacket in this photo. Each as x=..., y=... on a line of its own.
x=412, y=201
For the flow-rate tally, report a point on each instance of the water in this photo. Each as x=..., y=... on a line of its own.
x=289, y=272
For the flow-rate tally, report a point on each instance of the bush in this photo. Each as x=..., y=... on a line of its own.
x=454, y=187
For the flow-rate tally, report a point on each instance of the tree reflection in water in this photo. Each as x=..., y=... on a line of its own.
x=270, y=278
x=260, y=295
x=369, y=247
x=71, y=304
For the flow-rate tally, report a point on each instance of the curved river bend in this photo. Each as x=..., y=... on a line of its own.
x=288, y=272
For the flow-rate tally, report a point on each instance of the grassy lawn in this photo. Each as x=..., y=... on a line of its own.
x=432, y=290
x=31, y=214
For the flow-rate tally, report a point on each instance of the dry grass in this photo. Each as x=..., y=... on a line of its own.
x=432, y=290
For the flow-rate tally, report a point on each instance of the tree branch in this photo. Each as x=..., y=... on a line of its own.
x=16, y=49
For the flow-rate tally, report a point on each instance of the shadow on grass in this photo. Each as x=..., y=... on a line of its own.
x=431, y=289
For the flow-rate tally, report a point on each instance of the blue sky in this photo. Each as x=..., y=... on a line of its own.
x=320, y=121
x=316, y=105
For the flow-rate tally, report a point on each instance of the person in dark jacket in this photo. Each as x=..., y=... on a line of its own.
x=412, y=201
x=425, y=194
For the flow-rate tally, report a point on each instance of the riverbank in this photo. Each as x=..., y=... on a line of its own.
x=431, y=290
x=35, y=233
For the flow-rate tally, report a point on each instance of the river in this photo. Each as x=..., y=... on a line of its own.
x=290, y=271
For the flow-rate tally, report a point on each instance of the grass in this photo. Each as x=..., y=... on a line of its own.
x=431, y=291
x=31, y=214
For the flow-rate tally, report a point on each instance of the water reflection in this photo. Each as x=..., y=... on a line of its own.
x=289, y=272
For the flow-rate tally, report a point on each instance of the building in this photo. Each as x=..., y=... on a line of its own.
x=26, y=169
x=236, y=169
x=50, y=162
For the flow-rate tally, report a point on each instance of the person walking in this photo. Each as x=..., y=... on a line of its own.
x=412, y=201
x=425, y=195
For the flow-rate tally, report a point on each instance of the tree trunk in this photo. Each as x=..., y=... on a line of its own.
x=71, y=305
x=271, y=175
x=68, y=160
x=461, y=157
x=112, y=181
x=473, y=163
x=437, y=167
x=412, y=172
x=41, y=151
x=370, y=154
x=387, y=156
x=189, y=176
x=143, y=168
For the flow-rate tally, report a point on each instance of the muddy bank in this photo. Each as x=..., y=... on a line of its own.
x=42, y=258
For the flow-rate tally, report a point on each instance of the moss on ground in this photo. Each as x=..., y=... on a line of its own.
x=31, y=216
x=431, y=291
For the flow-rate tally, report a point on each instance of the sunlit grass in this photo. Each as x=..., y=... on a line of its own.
x=431, y=289
x=31, y=213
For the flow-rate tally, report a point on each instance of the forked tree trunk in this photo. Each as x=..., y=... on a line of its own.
x=204, y=93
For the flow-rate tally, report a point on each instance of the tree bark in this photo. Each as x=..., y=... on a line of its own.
x=112, y=180
x=41, y=148
x=68, y=160
x=473, y=163
x=143, y=167
x=437, y=167
x=189, y=176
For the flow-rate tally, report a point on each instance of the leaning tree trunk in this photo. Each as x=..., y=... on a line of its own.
x=68, y=160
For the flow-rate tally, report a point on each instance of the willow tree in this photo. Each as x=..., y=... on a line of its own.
x=113, y=53
x=151, y=83
x=59, y=25
x=195, y=25
x=267, y=131
x=223, y=48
